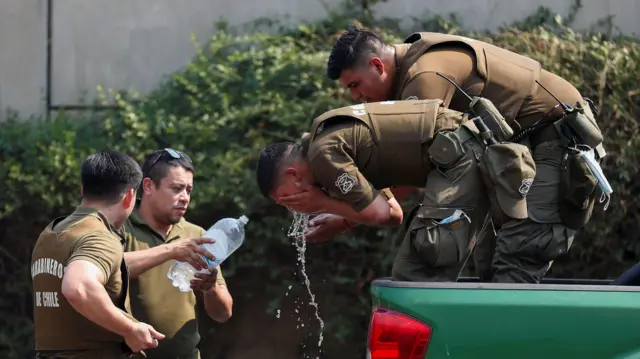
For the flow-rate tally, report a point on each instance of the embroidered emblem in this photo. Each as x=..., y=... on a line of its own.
x=345, y=183
x=525, y=186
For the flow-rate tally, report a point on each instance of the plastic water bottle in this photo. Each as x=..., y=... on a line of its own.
x=229, y=236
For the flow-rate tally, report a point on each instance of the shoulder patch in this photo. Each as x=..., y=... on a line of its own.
x=411, y=98
x=345, y=182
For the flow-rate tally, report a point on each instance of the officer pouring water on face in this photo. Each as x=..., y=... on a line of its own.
x=522, y=104
x=80, y=279
x=351, y=155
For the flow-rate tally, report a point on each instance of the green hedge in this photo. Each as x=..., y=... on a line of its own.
x=243, y=92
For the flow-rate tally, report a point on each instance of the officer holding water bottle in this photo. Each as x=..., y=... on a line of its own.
x=157, y=235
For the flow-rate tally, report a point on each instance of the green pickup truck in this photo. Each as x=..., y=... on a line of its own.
x=580, y=319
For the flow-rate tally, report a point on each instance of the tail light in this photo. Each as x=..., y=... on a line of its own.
x=393, y=335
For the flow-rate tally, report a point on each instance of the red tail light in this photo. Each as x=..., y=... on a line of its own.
x=393, y=335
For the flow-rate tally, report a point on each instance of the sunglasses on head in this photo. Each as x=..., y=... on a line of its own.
x=173, y=153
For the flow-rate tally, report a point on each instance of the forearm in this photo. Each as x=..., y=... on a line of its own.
x=386, y=213
x=141, y=261
x=90, y=299
x=395, y=218
x=218, y=303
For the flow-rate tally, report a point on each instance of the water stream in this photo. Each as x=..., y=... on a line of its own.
x=296, y=231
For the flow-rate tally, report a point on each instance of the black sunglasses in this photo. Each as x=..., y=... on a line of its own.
x=173, y=153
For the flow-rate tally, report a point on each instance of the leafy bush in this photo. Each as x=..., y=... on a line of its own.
x=243, y=92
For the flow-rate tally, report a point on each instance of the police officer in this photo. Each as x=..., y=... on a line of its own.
x=354, y=152
x=80, y=282
x=426, y=66
x=157, y=234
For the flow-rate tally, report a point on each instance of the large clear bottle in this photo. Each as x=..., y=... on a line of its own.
x=229, y=236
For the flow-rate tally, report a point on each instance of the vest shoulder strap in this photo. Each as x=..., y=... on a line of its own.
x=356, y=112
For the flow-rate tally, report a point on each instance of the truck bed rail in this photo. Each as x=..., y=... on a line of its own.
x=598, y=285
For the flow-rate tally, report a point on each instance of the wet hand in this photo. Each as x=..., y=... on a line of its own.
x=189, y=250
x=205, y=281
x=310, y=200
x=324, y=227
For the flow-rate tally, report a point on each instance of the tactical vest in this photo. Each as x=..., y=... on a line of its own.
x=58, y=326
x=399, y=133
x=509, y=77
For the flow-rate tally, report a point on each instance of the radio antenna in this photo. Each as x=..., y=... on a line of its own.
x=454, y=84
x=564, y=107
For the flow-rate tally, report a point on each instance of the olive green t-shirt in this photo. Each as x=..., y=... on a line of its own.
x=106, y=254
x=84, y=235
x=154, y=300
x=100, y=246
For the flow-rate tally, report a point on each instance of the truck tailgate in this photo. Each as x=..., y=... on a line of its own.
x=480, y=320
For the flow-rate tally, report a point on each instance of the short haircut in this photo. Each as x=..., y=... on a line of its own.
x=351, y=49
x=158, y=163
x=106, y=176
x=270, y=162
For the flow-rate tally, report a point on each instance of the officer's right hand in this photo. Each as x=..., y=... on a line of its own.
x=142, y=336
x=189, y=250
x=324, y=227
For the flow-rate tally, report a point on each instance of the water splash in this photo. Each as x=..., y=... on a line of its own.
x=296, y=231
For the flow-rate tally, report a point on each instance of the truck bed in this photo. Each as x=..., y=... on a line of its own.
x=560, y=318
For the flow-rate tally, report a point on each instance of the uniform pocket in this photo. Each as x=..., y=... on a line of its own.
x=438, y=238
x=578, y=190
x=508, y=170
x=446, y=149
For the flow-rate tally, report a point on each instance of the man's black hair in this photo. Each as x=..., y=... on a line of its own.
x=271, y=159
x=158, y=164
x=353, y=46
x=108, y=175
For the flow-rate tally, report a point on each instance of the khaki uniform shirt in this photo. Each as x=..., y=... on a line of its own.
x=356, y=151
x=84, y=235
x=155, y=301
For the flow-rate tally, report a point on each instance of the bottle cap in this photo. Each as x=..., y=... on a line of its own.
x=243, y=219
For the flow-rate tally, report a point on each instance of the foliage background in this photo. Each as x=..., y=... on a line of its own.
x=242, y=92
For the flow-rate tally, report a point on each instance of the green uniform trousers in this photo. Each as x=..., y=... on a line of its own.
x=522, y=251
x=435, y=251
x=515, y=251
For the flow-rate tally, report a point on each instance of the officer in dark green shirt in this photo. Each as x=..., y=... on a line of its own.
x=156, y=234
